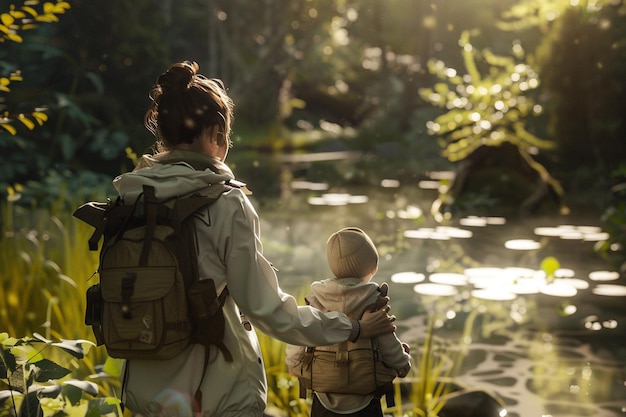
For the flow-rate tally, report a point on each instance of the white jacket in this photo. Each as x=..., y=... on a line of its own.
x=351, y=296
x=230, y=253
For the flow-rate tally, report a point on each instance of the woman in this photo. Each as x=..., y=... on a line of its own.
x=191, y=117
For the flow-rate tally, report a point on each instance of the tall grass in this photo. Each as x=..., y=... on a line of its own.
x=283, y=389
x=45, y=266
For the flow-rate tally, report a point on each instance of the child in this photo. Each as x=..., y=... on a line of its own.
x=353, y=259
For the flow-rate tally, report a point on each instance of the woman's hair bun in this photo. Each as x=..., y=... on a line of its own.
x=178, y=77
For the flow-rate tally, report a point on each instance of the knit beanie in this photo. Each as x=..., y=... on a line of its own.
x=351, y=253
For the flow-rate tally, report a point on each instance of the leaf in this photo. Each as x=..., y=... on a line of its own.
x=48, y=391
x=549, y=265
x=83, y=409
x=30, y=10
x=104, y=406
x=18, y=14
x=6, y=340
x=15, y=37
x=40, y=338
x=7, y=363
x=96, y=80
x=48, y=370
x=113, y=366
x=76, y=348
x=442, y=88
x=26, y=122
x=93, y=412
x=41, y=117
x=6, y=394
x=72, y=394
x=86, y=386
x=6, y=19
x=30, y=406
x=47, y=18
x=68, y=146
x=25, y=352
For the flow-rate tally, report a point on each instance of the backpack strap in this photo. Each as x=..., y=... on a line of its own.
x=216, y=305
x=98, y=215
x=386, y=389
x=152, y=212
x=307, y=360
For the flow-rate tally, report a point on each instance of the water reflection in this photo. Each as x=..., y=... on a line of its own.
x=610, y=290
x=572, y=232
x=438, y=233
x=603, y=275
x=337, y=199
x=407, y=277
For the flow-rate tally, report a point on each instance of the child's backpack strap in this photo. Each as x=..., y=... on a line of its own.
x=306, y=365
x=385, y=388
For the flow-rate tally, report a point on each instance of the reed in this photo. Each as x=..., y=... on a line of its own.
x=45, y=270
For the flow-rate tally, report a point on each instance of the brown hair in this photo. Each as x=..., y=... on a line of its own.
x=184, y=103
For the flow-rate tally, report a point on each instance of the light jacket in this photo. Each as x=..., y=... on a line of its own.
x=230, y=252
x=351, y=296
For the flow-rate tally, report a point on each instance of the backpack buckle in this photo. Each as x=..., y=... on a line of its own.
x=341, y=357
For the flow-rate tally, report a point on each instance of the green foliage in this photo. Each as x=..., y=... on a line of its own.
x=483, y=110
x=283, y=389
x=487, y=107
x=34, y=163
x=614, y=217
x=27, y=16
x=12, y=23
x=44, y=270
x=45, y=266
x=583, y=70
x=542, y=13
x=433, y=380
x=89, y=110
x=36, y=386
x=549, y=265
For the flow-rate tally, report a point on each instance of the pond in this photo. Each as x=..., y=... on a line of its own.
x=546, y=342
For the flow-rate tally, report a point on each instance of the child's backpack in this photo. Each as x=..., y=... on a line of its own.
x=149, y=303
x=346, y=368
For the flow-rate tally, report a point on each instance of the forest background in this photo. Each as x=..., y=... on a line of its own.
x=416, y=85
x=522, y=99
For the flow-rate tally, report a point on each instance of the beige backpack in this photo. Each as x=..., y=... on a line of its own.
x=149, y=303
x=346, y=368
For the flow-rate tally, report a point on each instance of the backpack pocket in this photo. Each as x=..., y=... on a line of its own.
x=93, y=309
x=145, y=312
x=208, y=315
x=206, y=309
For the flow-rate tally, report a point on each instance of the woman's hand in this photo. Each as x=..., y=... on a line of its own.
x=377, y=323
x=375, y=320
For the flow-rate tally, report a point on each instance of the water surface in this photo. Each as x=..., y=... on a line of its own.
x=547, y=346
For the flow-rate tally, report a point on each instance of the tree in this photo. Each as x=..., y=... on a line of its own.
x=584, y=71
x=12, y=23
x=488, y=112
x=582, y=63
